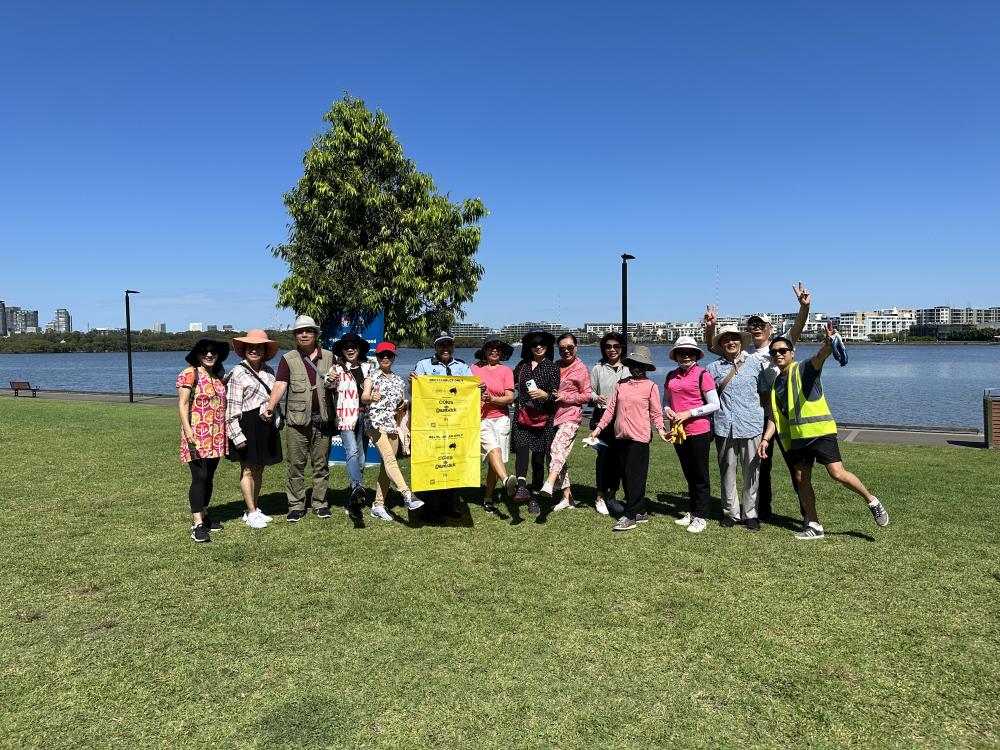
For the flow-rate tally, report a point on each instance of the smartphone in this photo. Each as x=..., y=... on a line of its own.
x=531, y=385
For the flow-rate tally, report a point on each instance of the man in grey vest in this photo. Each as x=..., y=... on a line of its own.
x=309, y=415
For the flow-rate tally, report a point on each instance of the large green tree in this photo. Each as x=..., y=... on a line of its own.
x=369, y=232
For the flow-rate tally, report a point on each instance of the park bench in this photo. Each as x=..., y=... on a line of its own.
x=23, y=385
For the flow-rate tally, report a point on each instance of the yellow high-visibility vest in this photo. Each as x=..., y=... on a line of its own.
x=806, y=419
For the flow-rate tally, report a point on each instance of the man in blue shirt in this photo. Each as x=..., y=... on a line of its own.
x=440, y=503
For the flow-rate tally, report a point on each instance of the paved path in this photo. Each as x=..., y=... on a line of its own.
x=850, y=433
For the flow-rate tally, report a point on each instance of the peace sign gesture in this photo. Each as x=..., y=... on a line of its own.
x=711, y=314
x=801, y=294
x=830, y=332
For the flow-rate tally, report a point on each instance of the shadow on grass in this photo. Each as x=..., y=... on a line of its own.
x=967, y=443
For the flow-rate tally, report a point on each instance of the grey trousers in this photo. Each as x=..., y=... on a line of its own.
x=309, y=443
x=743, y=450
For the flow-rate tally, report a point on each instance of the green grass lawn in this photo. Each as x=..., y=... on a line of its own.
x=118, y=631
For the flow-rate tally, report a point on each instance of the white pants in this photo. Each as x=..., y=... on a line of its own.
x=744, y=450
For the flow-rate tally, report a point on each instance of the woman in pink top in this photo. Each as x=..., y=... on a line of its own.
x=634, y=406
x=689, y=396
x=497, y=388
x=574, y=390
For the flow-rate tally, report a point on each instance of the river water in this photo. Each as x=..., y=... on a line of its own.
x=913, y=384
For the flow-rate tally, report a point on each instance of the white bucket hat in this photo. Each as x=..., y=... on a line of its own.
x=743, y=336
x=304, y=321
x=686, y=342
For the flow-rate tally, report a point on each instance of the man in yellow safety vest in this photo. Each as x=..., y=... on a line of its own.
x=798, y=413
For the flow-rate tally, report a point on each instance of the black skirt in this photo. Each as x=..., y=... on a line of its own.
x=263, y=446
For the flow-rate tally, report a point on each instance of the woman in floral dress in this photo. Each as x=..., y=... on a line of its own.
x=201, y=401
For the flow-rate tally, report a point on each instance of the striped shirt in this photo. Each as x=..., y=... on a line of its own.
x=244, y=394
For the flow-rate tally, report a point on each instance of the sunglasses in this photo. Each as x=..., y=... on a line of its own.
x=687, y=355
x=567, y=348
x=617, y=347
x=385, y=355
x=208, y=353
x=352, y=347
x=780, y=352
x=538, y=345
x=757, y=326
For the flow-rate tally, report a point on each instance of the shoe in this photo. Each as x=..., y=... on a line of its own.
x=262, y=514
x=522, y=494
x=294, y=516
x=642, y=517
x=412, y=502
x=379, y=512
x=254, y=520
x=323, y=512
x=210, y=524
x=600, y=507
x=533, y=507
x=614, y=507
x=563, y=504
x=624, y=524
x=879, y=513
x=510, y=485
x=353, y=510
x=546, y=490
x=684, y=520
x=489, y=507
x=697, y=525
x=727, y=522
x=200, y=534
x=811, y=531
x=753, y=524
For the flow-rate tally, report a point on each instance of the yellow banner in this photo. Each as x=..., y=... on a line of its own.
x=444, y=429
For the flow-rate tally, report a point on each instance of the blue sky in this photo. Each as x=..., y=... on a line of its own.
x=733, y=147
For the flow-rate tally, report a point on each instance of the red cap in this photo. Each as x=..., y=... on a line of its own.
x=385, y=346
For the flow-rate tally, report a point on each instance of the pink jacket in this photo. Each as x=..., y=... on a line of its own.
x=634, y=405
x=574, y=387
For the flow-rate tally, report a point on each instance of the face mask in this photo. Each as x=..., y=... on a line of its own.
x=637, y=372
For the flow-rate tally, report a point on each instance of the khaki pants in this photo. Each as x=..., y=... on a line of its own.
x=387, y=445
x=309, y=443
x=744, y=450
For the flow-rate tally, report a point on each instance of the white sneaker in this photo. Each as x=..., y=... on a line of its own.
x=601, y=508
x=879, y=513
x=379, y=512
x=562, y=504
x=697, y=525
x=412, y=502
x=264, y=516
x=254, y=521
x=546, y=490
x=684, y=520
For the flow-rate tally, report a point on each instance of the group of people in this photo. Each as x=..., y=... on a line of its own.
x=753, y=396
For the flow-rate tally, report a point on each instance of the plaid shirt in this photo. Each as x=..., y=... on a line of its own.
x=244, y=393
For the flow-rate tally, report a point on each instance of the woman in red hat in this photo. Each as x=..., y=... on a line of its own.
x=385, y=394
x=253, y=442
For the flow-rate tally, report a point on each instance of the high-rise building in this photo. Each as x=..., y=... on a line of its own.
x=227, y=327
x=160, y=327
x=471, y=330
x=196, y=327
x=213, y=327
x=3, y=318
x=63, y=321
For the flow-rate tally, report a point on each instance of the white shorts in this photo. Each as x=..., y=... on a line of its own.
x=495, y=433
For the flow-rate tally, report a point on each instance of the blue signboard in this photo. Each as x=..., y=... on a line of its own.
x=370, y=327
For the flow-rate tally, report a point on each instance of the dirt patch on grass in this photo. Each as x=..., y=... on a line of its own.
x=102, y=627
x=29, y=616
x=88, y=590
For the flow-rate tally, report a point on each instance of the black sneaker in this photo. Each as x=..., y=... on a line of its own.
x=642, y=517
x=323, y=512
x=354, y=510
x=533, y=507
x=727, y=522
x=522, y=494
x=489, y=507
x=753, y=524
x=200, y=534
x=294, y=516
x=212, y=525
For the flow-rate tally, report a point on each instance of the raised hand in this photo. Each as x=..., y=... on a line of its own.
x=830, y=332
x=711, y=314
x=802, y=294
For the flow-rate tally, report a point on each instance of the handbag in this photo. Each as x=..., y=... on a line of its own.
x=530, y=416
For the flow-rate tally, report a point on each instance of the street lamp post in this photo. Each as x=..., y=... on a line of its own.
x=625, y=259
x=128, y=340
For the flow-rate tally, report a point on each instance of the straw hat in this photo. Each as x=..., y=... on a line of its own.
x=686, y=342
x=731, y=330
x=254, y=336
x=642, y=357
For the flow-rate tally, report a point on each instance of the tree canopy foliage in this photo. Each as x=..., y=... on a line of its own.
x=369, y=232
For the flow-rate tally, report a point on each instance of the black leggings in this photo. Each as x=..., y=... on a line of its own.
x=693, y=454
x=202, y=473
x=537, y=466
x=633, y=466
